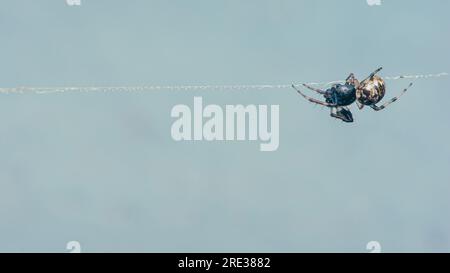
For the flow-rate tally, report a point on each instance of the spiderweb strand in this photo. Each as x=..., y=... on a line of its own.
x=145, y=88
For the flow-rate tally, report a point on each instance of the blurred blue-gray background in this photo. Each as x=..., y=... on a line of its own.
x=102, y=168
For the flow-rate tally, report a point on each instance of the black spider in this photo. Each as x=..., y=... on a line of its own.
x=366, y=93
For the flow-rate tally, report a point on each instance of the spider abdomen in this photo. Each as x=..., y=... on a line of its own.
x=341, y=94
x=371, y=91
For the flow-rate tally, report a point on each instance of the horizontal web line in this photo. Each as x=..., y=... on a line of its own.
x=143, y=88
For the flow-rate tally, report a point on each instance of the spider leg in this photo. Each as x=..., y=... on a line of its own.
x=314, y=89
x=360, y=105
x=314, y=100
x=333, y=111
x=373, y=74
x=394, y=99
x=342, y=113
x=351, y=79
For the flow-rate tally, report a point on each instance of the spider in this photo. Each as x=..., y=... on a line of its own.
x=368, y=92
